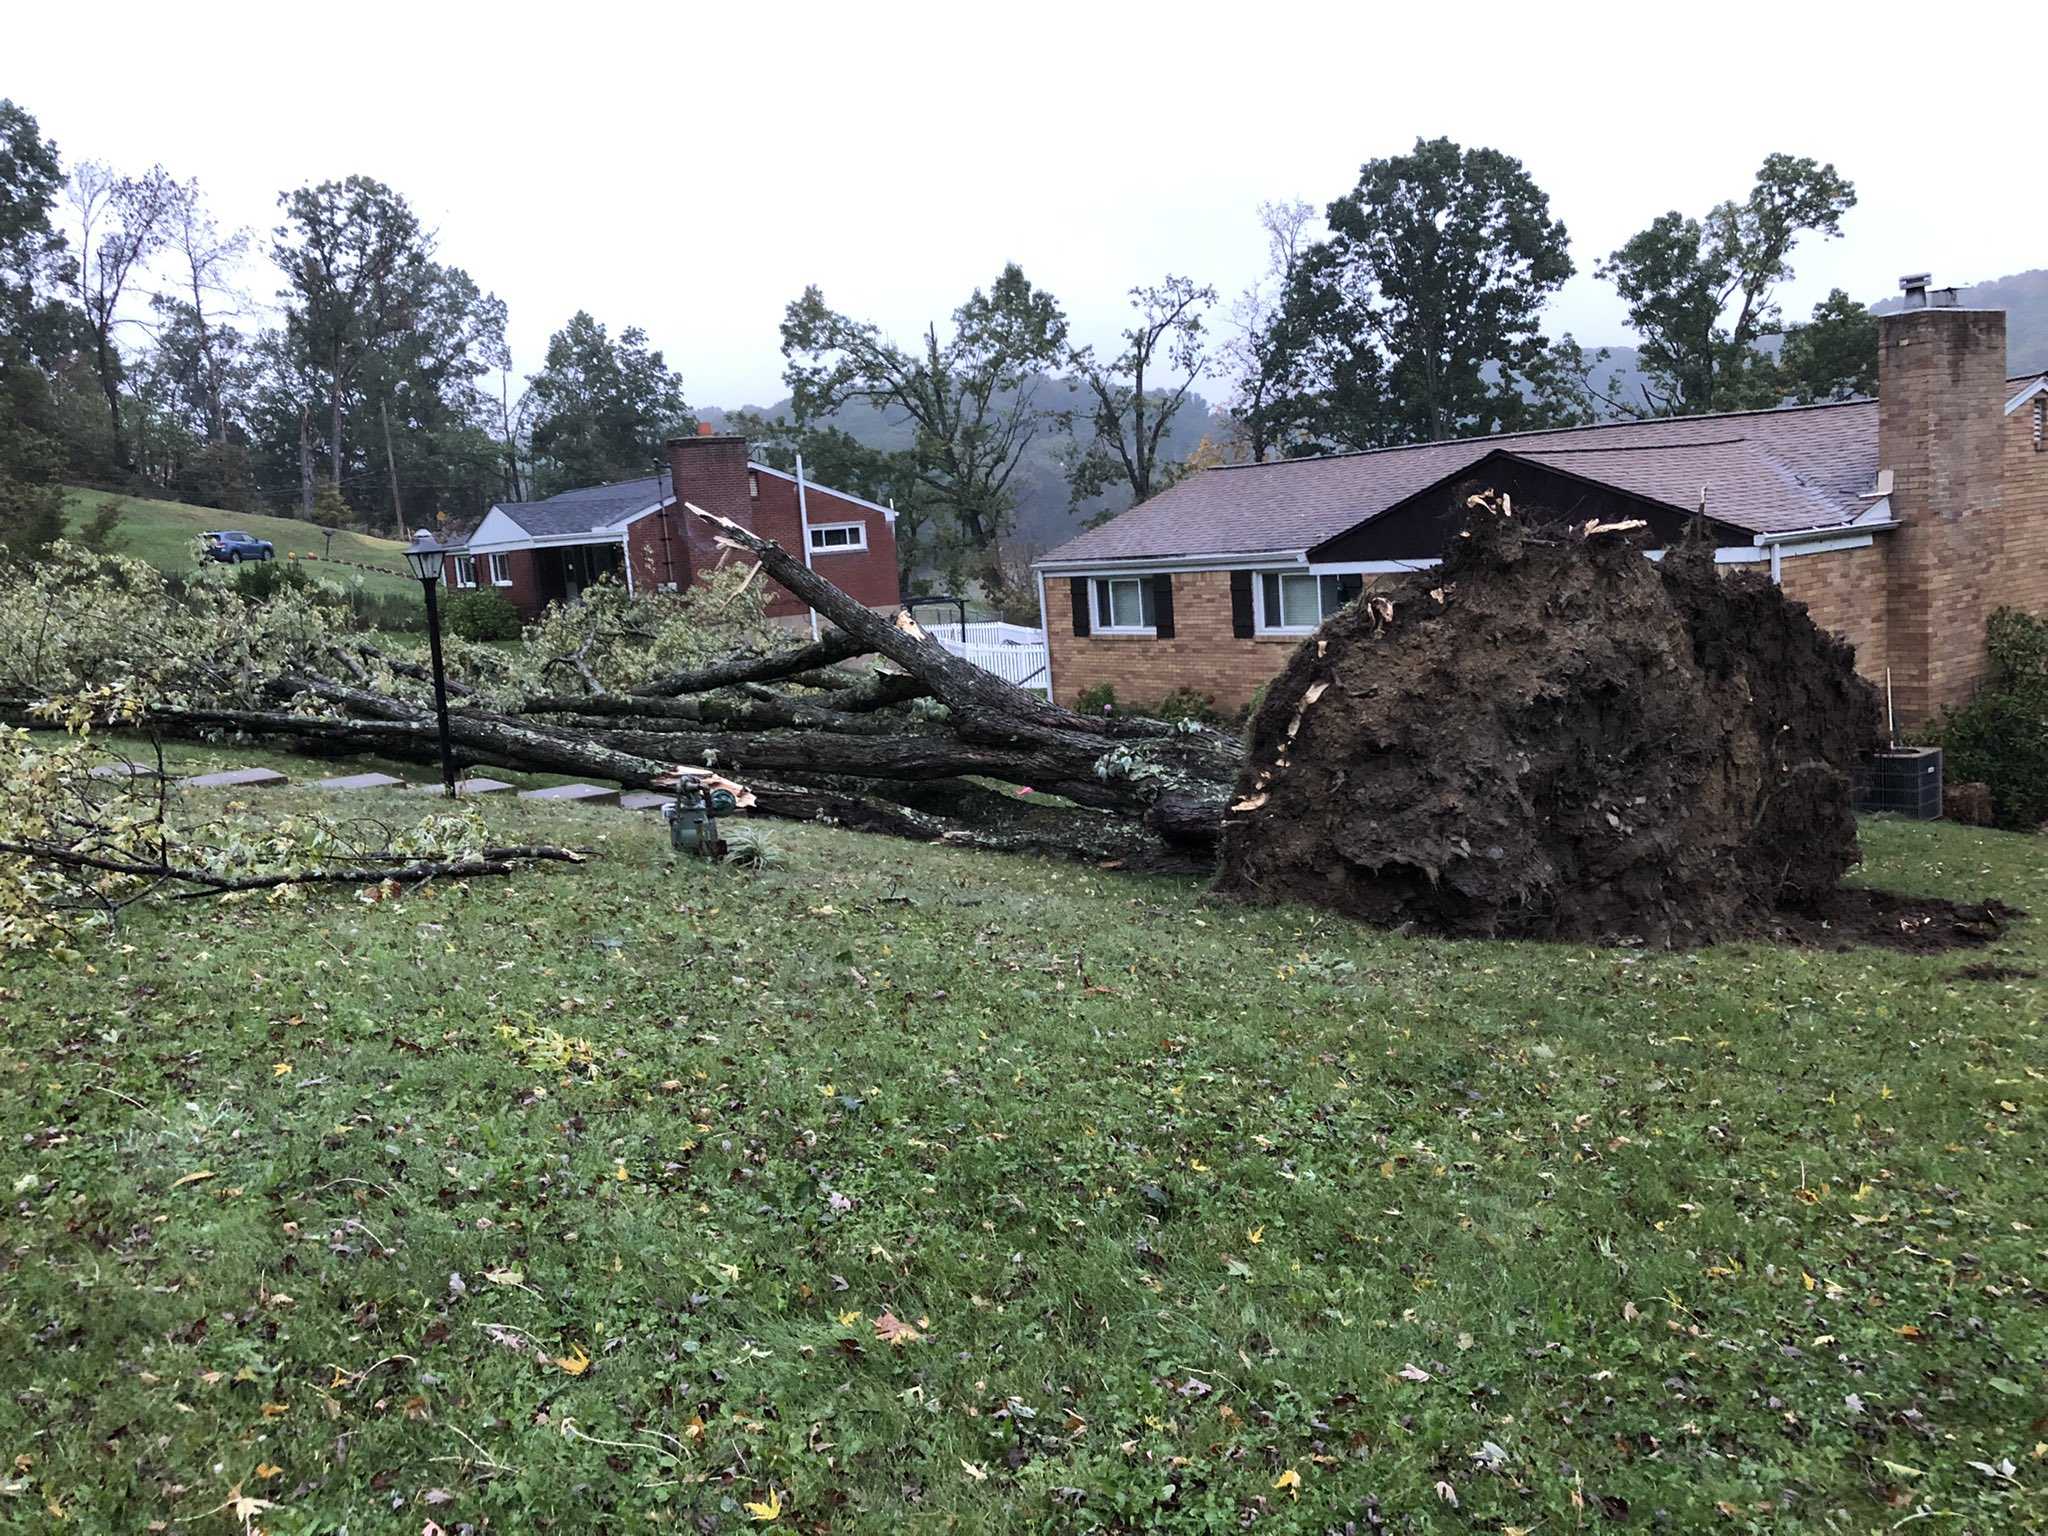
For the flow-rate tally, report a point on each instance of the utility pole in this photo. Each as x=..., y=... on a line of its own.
x=391, y=463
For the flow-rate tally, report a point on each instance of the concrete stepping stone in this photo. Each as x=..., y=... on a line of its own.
x=236, y=778
x=362, y=781
x=123, y=770
x=466, y=787
x=573, y=794
x=644, y=800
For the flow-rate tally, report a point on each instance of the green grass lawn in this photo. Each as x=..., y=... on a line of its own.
x=587, y=1200
x=161, y=532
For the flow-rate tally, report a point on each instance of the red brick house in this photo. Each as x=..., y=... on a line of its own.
x=636, y=531
x=1901, y=522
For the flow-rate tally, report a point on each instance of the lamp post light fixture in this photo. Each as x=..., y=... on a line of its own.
x=424, y=556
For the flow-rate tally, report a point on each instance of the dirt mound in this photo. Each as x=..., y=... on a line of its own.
x=1551, y=736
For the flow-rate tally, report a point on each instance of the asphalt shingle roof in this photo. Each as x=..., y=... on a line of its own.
x=586, y=510
x=1772, y=471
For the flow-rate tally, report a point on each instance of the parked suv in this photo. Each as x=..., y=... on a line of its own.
x=233, y=547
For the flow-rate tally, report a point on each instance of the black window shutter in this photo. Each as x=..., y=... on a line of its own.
x=1162, y=607
x=1080, y=590
x=1241, y=604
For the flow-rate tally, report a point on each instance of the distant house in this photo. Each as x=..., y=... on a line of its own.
x=637, y=531
x=1901, y=522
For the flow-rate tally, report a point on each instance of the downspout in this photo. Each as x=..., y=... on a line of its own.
x=1044, y=629
x=661, y=513
x=1776, y=566
x=803, y=515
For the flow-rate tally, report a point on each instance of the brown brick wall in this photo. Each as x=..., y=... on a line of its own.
x=1941, y=432
x=1203, y=654
x=1846, y=590
x=2022, y=577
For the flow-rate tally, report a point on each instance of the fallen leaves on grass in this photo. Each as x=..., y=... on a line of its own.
x=1289, y=1480
x=891, y=1329
x=197, y=1176
x=766, y=1509
x=575, y=1363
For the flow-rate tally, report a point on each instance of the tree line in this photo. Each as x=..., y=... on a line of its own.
x=383, y=395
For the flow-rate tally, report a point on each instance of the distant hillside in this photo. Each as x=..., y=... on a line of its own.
x=2024, y=298
x=1043, y=515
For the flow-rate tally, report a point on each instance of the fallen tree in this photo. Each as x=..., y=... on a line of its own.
x=83, y=837
x=874, y=726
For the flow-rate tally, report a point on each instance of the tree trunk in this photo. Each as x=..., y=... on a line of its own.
x=110, y=386
x=306, y=460
x=334, y=410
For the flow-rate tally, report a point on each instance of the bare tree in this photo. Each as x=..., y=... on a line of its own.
x=120, y=221
x=205, y=260
x=1255, y=365
x=1131, y=411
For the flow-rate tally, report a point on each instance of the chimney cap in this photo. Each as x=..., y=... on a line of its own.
x=1914, y=280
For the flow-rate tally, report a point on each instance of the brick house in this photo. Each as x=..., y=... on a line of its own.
x=1901, y=522
x=637, y=531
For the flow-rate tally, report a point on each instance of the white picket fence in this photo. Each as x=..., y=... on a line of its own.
x=1013, y=652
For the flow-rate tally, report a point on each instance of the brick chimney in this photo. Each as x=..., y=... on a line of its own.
x=1940, y=431
x=710, y=471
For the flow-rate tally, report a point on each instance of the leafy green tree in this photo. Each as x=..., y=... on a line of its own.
x=36, y=325
x=601, y=409
x=1699, y=291
x=330, y=508
x=1419, y=317
x=976, y=397
x=1833, y=356
x=1129, y=410
x=354, y=259
x=37, y=328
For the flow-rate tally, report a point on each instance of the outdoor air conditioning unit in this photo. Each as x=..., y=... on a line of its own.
x=1905, y=781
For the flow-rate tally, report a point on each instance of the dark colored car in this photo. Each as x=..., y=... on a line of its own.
x=233, y=547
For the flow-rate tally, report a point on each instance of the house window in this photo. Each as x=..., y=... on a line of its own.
x=2040, y=422
x=465, y=571
x=838, y=538
x=753, y=485
x=1295, y=602
x=501, y=571
x=1123, y=604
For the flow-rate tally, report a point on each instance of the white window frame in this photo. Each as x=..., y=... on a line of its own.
x=465, y=570
x=1269, y=624
x=853, y=546
x=1102, y=601
x=501, y=573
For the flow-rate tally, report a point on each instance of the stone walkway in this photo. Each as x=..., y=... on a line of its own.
x=259, y=778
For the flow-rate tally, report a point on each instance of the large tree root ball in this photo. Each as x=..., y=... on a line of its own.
x=1551, y=736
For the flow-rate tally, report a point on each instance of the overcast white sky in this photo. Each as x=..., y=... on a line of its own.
x=690, y=173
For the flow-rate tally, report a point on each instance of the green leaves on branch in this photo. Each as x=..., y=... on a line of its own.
x=977, y=397
x=601, y=409
x=1699, y=292
x=1419, y=316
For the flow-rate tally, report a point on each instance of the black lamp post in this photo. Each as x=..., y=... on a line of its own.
x=424, y=556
